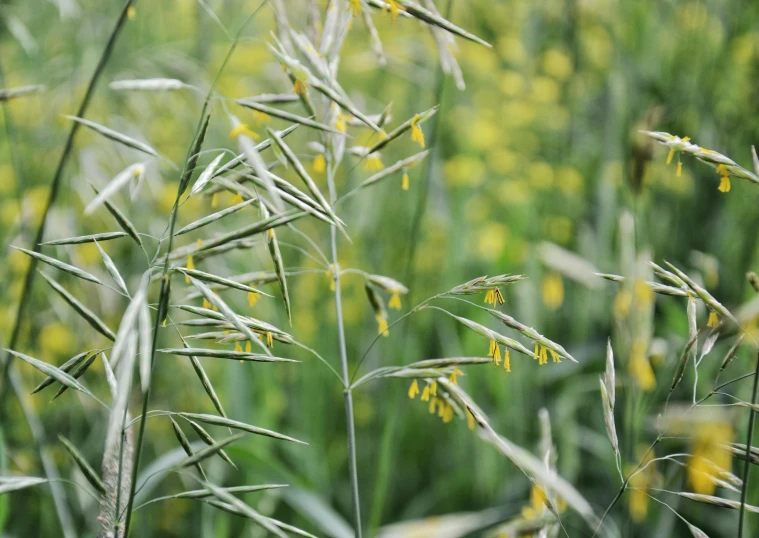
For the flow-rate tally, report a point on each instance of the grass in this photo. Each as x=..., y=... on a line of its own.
x=526, y=292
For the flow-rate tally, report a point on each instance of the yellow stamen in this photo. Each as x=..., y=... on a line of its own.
x=448, y=413
x=433, y=388
x=426, y=394
x=382, y=325
x=679, y=169
x=163, y=324
x=131, y=13
x=395, y=7
x=215, y=200
x=242, y=129
x=269, y=340
x=469, y=420
x=260, y=117
x=299, y=87
x=373, y=163
x=320, y=163
x=237, y=346
x=404, y=181
x=394, y=302
x=543, y=355
x=252, y=298
x=713, y=320
x=670, y=155
x=432, y=405
x=190, y=265
x=355, y=7
x=506, y=360
x=206, y=304
x=724, y=184
x=535, y=353
x=237, y=199
x=413, y=390
x=416, y=132
x=490, y=297
x=248, y=347
x=554, y=356
x=452, y=377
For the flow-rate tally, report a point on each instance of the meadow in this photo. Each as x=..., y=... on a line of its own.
x=379, y=268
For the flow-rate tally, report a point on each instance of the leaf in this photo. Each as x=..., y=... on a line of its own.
x=106, y=236
x=82, y=310
x=224, y=354
x=115, y=136
x=89, y=473
x=112, y=270
x=84, y=275
x=228, y=423
x=206, y=175
x=8, y=485
x=60, y=376
x=116, y=184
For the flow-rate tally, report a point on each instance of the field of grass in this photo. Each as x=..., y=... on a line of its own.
x=379, y=268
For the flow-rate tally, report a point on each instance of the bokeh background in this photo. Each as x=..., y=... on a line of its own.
x=532, y=167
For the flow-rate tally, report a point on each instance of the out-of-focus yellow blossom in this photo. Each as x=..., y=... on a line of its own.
x=569, y=180
x=553, y=291
x=545, y=90
x=511, y=83
x=490, y=240
x=692, y=16
x=558, y=229
x=502, y=161
x=640, y=483
x=7, y=179
x=381, y=325
x=131, y=13
x=464, y=170
x=622, y=304
x=708, y=456
x=557, y=64
x=373, y=163
x=540, y=175
x=514, y=192
x=56, y=339
x=510, y=48
x=640, y=367
x=242, y=129
x=597, y=46
x=643, y=294
x=320, y=163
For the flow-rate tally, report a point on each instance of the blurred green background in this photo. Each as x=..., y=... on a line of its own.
x=541, y=150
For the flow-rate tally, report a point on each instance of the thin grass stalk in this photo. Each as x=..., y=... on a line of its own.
x=347, y=391
x=749, y=439
x=163, y=298
x=53, y=195
x=421, y=206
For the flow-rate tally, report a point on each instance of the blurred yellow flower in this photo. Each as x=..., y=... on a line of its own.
x=708, y=455
x=557, y=64
x=640, y=367
x=553, y=291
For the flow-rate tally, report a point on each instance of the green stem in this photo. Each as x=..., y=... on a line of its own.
x=164, y=292
x=747, y=463
x=347, y=390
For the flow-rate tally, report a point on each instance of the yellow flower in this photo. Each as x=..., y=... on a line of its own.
x=260, y=117
x=252, y=298
x=506, y=360
x=190, y=265
x=299, y=87
x=320, y=163
x=413, y=389
x=553, y=291
x=395, y=7
x=495, y=352
x=494, y=297
x=708, y=456
x=382, y=325
x=131, y=13
x=416, y=132
x=242, y=129
x=713, y=320
x=452, y=377
x=394, y=302
x=373, y=163
x=724, y=173
x=640, y=367
x=622, y=303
